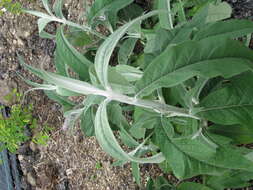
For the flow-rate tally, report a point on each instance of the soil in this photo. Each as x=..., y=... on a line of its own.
x=70, y=161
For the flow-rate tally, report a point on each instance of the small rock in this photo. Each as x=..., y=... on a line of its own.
x=31, y=179
x=33, y=147
x=20, y=158
x=69, y=172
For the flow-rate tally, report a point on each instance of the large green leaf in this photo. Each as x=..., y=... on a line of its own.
x=130, y=73
x=189, y=157
x=205, y=58
x=232, y=104
x=66, y=54
x=118, y=82
x=87, y=122
x=130, y=12
x=109, y=143
x=165, y=15
x=46, y=6
x=69, y=84
x=126, y=50
x=106, y=9
x=105, y=50
x=231, y=179
x=211, y=12
x=159, y=39
x=241, y=134
x=160, y=183
x=88, y=115
x=57, y=7
x=136, y=172
x=192, y=186
x=225, y=29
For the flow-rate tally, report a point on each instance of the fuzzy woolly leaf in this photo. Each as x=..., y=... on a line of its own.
x=109, y=143
x=189, y=157
x=192, y=186
x=232, y=104
x=66, y=54
x=186, y=60
x=105, y=50
x=225, y=29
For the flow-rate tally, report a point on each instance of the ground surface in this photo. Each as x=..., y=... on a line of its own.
x=69, y=161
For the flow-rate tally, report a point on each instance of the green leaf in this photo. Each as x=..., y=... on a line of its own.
x=130, y=12
x=239, y=133
x=39, y=14
x=127, y=139
x=180, y=11
x=126, y=50
x=87, y=122
x=146, y=121
x=70, y=84
x=46, y=35
x=165, y=15
x=65, y=92
x=192, y=96
x=159, y=39
x=105, y=50
x=42, y=22
x=232, y=104
x=218, y=12
x=57, y=7
x=165, y=167
x=88, y=115
x=189, y=157
x=136, y=172
x=142, y=120
x=79, y=38
x=119, y=83
x=192, y=186
x=67, y=104
x=175, y=95
x=160, y=183
x=67, y=55
x=71, y=118
x=186, y=60
x=46, y=5
x=211, y=12
x=231, y=179
x=130, y=73
x=107, y=9
x=226, y=29
x=109, y=143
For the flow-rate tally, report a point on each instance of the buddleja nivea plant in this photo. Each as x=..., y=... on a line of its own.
x=184, y=102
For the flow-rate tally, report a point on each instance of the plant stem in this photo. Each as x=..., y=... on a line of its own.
x=84, y=28
x=169, y=10
x=150, y=104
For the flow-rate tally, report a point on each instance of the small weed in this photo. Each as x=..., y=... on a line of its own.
x=93, y=177
x=98, y=165
x=12, y=129
x=10, y=6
